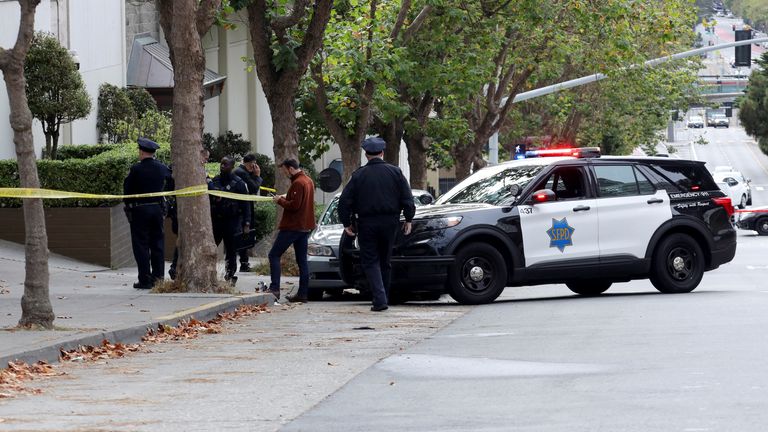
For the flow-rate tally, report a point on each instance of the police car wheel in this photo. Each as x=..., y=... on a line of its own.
x=761, y=226
x=678, y=264
x=478, y=276
x=589, y=287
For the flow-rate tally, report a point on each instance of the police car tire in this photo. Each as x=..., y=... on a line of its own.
x=761, y=226
x=489, y=266
x=666, y=276
x=589, y=287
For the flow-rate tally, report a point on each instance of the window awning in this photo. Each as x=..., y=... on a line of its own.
x=150, y=67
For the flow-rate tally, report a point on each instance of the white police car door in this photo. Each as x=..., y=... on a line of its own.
x=564, y=229
x=629, y=210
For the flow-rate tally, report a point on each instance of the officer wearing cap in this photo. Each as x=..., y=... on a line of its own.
x=146, y=214
x=377, y=193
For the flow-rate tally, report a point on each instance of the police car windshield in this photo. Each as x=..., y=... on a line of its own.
x=491, y=185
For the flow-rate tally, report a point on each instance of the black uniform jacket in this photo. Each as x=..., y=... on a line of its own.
x=225, y=208
x=147, y=176
x=252, y=181
x=376, y=189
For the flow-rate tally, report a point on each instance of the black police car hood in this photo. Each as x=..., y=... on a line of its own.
x=435, y=211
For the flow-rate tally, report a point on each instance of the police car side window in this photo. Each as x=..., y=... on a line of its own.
x=567, y=183
x=616, y=181
x=645, y=185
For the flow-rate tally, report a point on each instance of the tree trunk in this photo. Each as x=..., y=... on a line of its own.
x=284, y=134
x=351, y=153
x=463, y=167
x=54, y=144
x=417, y=159
x=392, y=133
x=197, y=251
x=36, y=309
x=48, y=150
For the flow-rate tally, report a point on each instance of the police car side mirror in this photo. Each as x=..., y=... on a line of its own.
x=543, y=195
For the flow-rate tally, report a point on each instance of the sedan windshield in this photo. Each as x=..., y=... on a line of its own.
x=491, y=185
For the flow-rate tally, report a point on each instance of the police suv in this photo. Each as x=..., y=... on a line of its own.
x=563, y=216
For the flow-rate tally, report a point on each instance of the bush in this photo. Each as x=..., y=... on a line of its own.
x=265, y=214
x=100, y=174
x=154, y=125
x=82, y=151
x=230, y=144
x=114, y=105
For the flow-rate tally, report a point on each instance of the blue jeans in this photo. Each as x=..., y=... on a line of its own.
x=285, y=239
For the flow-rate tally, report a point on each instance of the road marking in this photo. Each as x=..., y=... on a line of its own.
x=760, y=188
x=764, y=267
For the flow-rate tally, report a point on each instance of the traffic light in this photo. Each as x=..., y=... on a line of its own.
x=743, y=53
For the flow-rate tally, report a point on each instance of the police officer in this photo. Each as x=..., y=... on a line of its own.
x=250, y=172
x=231, y=218
x=146, y=214
x=376, y=193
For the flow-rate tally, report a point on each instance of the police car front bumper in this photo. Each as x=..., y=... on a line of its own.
x=421, y=273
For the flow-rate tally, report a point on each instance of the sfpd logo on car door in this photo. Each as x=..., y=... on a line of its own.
x=561, y=234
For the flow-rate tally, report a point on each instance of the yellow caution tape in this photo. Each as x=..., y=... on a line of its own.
x=185, y=192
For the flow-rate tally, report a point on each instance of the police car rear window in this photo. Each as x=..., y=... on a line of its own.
x=687, y=177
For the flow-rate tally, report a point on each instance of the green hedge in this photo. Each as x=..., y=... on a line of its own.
x=82, y=151
x=102, y=173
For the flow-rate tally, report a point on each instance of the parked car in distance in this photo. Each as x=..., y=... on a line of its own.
x=756, y=220
x=323, y=250
x=696, y=121
x=739, y=189
x=718, y=120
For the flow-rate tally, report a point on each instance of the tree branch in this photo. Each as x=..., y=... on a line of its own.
x=165, y=10
x=261, y=42
x=321, y=99
x=313, y=37
x=281, y=23
x=405, y=7
x=416, y=24
x=206, y=15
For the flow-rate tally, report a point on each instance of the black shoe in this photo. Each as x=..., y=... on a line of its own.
x=139, y=285
x=245, y=267
x=275, y=293
x=231, y=279
x=296, y=299
x=379, y=308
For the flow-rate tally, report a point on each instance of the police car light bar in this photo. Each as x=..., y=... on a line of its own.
x=577, y=152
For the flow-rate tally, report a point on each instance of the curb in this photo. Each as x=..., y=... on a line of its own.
x=134, y=334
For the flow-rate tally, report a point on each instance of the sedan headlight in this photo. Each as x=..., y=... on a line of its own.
x=315, y=249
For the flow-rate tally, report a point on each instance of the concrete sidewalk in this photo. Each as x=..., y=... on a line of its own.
x=93, y=303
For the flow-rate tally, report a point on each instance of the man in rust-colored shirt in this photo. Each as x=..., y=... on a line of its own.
x=298, y=220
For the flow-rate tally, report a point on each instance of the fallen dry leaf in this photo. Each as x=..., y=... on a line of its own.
x=5, y=291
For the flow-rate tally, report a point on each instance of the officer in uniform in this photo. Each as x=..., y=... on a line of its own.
x=250, y=172
x=377, y=193
x=146, y=214
x=231, y=218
